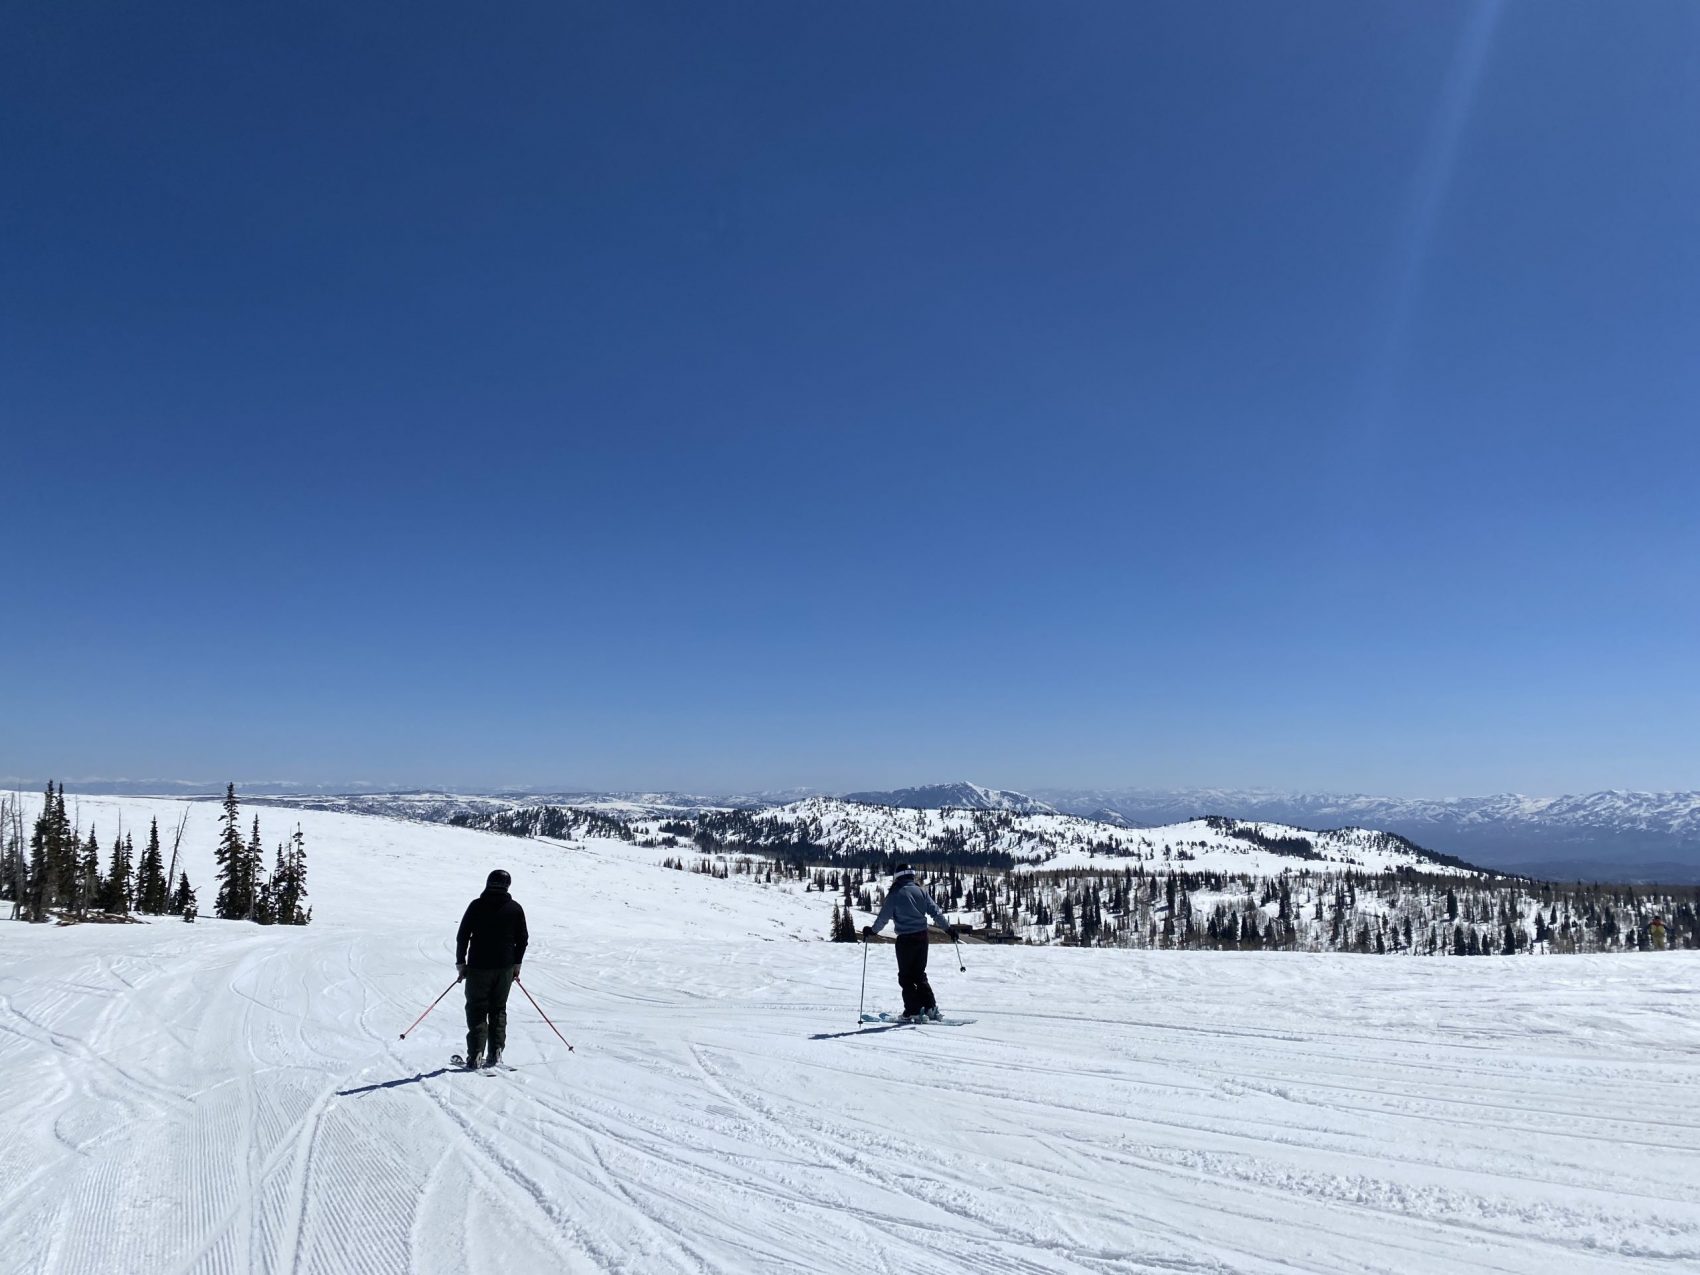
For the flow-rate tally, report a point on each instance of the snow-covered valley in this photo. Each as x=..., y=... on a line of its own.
x=222, y=1097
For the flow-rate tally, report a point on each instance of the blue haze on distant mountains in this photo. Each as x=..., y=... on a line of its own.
x=1604, y=835
x=1616, y=835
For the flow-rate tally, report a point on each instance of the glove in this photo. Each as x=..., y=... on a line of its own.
x=867, y=932
x=460, y=973
x=951, y=930
x=516, y=973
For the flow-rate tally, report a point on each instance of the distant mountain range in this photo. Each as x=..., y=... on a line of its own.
x=1614, y=835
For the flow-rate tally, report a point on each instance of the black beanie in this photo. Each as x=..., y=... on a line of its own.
x=498, y=880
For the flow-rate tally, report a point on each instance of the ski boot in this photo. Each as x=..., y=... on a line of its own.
x=932, y=1013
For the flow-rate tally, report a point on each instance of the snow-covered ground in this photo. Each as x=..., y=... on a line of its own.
x=225, y=1098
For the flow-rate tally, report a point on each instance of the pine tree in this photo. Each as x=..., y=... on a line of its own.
x=44, y=861
x=66, y=867
x=236, y=884
x=295, y=886
x=267, y=896
x=90, y=888
x=844, y=926
x=150, y=877
x=183, y=901
x=115, y=897
x=253, y=871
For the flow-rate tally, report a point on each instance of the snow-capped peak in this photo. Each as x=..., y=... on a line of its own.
x=957, y=796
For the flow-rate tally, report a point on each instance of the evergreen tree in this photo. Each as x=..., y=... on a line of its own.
x=236, y=883
x=183, y=901
x=68, y=862
x=44, y=861
x=266, y=897
x=90, y=888
x=150, y=877
x=115, y=897
x=253, y=871
x=294, y=889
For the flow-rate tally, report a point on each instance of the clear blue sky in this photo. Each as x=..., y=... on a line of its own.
x=1297, y=394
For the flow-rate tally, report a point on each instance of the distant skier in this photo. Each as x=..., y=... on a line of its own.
x=1656, y=932
x=909, y=906
x=488, y=951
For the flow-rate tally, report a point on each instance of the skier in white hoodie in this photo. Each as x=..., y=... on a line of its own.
x=910, y=906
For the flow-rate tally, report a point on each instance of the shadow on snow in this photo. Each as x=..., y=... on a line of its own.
x=860, y=1031
x=414, y=1079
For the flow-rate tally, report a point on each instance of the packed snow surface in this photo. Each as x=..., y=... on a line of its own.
x=226, y=1098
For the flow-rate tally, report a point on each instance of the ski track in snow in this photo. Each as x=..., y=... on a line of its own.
x=224, y=1099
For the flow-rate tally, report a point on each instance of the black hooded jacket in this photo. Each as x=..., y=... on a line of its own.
x=492, y=933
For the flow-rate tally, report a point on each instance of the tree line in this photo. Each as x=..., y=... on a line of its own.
x=246, y=892
x=1401, y=912
x=1152, y=904
x=56, y=874
x=1397, y=913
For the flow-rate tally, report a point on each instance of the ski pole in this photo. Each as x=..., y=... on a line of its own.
x=539, y=1009
x=433, y=1005
x=862, y=1003
x=960, y=967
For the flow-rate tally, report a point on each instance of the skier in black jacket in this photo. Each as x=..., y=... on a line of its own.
x=488, y=951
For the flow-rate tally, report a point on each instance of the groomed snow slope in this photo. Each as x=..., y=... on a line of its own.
x=225, y=1098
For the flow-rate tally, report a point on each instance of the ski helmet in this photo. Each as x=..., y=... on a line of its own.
x=498, y=880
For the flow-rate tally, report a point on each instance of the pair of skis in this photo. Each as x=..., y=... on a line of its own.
x=485, y=1069
x=896, y=1021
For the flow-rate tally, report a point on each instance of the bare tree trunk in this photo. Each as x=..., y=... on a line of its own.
x=9, y=844
x=171, y=877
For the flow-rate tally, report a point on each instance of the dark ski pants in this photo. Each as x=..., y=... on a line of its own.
x=912, y=973
x=487, y=1009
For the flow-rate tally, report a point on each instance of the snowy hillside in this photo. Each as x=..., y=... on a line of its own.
x=957, y=796
x=1053, y=841
x=226, y=1098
